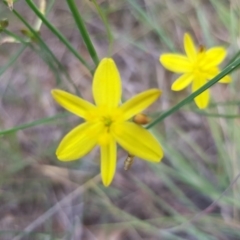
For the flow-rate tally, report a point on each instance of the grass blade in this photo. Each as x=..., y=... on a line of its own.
x=58, y=34
x=83, y=31
x=32, y=124
x=13, y=59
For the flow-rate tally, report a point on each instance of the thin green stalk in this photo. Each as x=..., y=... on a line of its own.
x=33, y=124
x=13, y=35
x=105, y=22
x=13, y=59
x=44, y=45
x=39, y=53
x=137, y=222
x=228, y=103
x=146, y=20
x=204, y=23
x=83, y=30
x=58, y=34
x=237, y=55
x=36, y=35
x=217, y=115
x=231, y=67
x=51, y=65
x=49, y=7
x=199, y=215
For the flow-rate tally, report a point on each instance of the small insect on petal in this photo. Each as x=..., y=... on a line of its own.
x=201, y=48
x=141, y=119
x=128, y=162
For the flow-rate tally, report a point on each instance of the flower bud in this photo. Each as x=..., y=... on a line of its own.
x=141, y=119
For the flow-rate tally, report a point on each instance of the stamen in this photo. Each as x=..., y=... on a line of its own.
x=107, y=121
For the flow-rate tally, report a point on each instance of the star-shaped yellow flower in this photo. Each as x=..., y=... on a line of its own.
x=107, y=122
x=198, y=66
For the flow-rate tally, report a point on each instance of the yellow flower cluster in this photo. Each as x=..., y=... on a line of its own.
x=197, y=67
x=107, y=122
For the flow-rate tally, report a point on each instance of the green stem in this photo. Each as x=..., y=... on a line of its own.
x=237, y=55
x=83, y=31
x=13, y=59
x=34, y=123
x=217, y=115
x=36, y=36
x=40, y=53
x=49, y=7
x=58, y=34
x=105, y=22
x=231, y=67
x=144, y=18
x=13, y=35
x=44, y=46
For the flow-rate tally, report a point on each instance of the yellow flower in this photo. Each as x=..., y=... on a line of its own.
x=198, y=66
x=107, y=122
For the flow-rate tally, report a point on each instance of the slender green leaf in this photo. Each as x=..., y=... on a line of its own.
x=58, y=34
x=83, y=31
x=33, y=124
x=44, y=46
x=106, y=24
x=13, y=59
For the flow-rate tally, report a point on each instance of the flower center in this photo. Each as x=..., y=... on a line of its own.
x=105, y=137
x=107, y=120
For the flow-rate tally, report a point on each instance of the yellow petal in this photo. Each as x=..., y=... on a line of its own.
x=213, y=57
x=79, y=141
x=139, y=102
x=73, y=103
x=213, y=72
x=226, y=79
x=189, y=47
x=182, y=82
x=137, y=141
x=176, y=63
x=107, y=88
x=201, y=100
x=108, y=162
